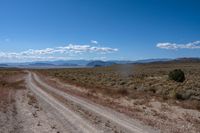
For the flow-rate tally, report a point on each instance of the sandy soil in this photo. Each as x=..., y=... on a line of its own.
x=25, y=116
x=85, y=115
x=162, y=116
x=49, y=106
x=33, y=119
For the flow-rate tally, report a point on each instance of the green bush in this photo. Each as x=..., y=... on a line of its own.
x=177, y=75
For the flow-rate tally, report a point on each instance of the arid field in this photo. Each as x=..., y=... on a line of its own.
x=120, y=98
x=143, y=91
x=137, y=81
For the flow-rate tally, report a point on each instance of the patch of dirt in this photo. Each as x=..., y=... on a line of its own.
x=32, y=117
x=20, y=110
x=161, y=115
x=8, y=113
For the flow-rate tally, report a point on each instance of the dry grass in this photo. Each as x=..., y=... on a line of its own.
x=137, y=81
x=9, y=83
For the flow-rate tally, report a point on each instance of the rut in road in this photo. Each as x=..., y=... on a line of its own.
x=123, y=122
x=80, y=125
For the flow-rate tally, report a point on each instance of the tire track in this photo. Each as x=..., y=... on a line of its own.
x=117, y=119
x=80, y=125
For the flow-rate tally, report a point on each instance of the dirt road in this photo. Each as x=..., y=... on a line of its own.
x=79, y=115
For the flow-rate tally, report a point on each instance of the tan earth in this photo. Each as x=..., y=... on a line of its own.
x=50, y=106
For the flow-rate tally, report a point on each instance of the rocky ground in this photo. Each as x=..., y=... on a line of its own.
x=162, y=115
x=37, y=103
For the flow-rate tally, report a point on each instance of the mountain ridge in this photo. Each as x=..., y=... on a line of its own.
x=95, y=63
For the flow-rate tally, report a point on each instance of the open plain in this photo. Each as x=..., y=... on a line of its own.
x=121, y=98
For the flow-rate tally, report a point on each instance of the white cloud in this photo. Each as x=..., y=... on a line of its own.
x=94, y=42
x=86, y=48
x=38, y=52
x=167, y=45
x=54, y=53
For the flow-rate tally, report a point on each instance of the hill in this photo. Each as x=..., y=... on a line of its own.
x=100, y=63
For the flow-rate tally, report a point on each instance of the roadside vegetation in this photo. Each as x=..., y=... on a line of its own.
x=11, y=81
x=177, y=75
x=9, y=84
x=163, y=81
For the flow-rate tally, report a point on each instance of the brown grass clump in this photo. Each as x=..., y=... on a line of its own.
x=122, y=91
x=136, y=81
x=9, y=84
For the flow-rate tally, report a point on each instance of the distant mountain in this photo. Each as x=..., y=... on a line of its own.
x=177, y=60
x=78, y=62
x=41, y=64
x=92, y=63
x=3, y=65
x=100, y=63
x=122, y=61
x=112, y=62
x=50, y=64
x=68, y=64
x=152, y=60
x=196, y=59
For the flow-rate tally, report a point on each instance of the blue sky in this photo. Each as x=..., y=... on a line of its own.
x=98, y=29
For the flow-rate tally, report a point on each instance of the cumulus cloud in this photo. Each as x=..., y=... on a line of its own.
x=38, y=52
x=85, y=48
x=94, y=42
x=167, y=45
x=52, y=53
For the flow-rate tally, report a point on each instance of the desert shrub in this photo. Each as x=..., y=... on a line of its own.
x=152, y=89
x=177, y=75
x=122, y=91
x=122, y=83
x=179, y=96
x=184, y=95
